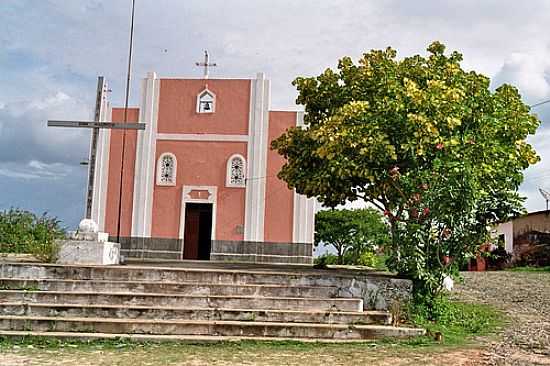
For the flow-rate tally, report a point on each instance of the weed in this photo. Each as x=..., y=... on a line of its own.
x=530, y=269
x=455, y=322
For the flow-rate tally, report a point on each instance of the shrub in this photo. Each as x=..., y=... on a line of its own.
x=455, y=320
x=326, y=259
x=498, y=259
x=367, y=258
x=533, y=250
x=24, y=232
x=373, y=260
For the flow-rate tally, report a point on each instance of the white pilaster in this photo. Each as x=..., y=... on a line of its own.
x=144, y=173
x=304, y=219
x=258, y=128
x=303, y=225
x=101, y=174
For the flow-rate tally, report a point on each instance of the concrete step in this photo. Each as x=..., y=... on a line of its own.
x=177, y=300
x=284, y=277
x=160, y=338
x=378, y=291
x=171, y=313
x=204, y=328
x=206, y=289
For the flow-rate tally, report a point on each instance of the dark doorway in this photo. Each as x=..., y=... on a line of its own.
x=198, y=231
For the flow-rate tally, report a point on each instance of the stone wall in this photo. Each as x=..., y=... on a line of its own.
x=261, y=252
x=377, y=291
x=150, y=248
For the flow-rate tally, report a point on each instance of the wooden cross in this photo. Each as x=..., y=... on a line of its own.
x=100, y=107
x=206, y=64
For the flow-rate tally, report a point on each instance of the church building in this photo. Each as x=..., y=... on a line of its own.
x=200, y=182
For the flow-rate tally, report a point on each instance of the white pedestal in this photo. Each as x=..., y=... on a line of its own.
x=88, y=248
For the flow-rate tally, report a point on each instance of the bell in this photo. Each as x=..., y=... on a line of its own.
x=207, y=106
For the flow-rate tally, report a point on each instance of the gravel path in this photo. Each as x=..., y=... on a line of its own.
x=525, y=297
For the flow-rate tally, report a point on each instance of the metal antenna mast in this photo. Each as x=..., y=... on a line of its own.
x=546, y=196
x=125, y=119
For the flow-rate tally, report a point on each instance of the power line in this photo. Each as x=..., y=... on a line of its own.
x=264, y=177
x=539, y=103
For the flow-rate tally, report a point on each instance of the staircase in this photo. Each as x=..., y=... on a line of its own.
x=185, y=304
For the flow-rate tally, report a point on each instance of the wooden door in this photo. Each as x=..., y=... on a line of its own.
x=198, y=231
x=191, y=238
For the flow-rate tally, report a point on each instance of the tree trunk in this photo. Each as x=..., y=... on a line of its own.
x=340, y=255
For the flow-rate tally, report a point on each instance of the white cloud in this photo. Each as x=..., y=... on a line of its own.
x=52, y=101
x=24, y=135
x=35, y=170
x=530, y=72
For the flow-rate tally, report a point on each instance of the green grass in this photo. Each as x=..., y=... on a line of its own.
x=113, y=344
x=388, y=345
x=225, y=353
x=530, y=269
x=457, y=322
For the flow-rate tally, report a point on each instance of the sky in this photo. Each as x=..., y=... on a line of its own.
x=51, y=52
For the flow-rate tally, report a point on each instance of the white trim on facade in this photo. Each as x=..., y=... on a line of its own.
x=199, y=96
x=228, y=172
x=186, y=198
x=300, y=119
x=101, y=175
x=507, y=229
x=144, y=173
x=303, y=225
x=173, y=179
x=202, y=137
x=258, y=128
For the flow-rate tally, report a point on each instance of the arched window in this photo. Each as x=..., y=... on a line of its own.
x=166, y=170
x=236, y=171
x=206, y=102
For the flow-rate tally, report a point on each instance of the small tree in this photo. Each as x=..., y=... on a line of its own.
x=351, y=232
x=425, y=141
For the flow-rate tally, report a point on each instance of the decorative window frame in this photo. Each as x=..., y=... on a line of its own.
x=228, y=172
x=206, y=90
x=186, y=198
x=159, y=170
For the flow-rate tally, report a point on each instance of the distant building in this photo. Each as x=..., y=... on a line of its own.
x=527, y=235
x=200, y=181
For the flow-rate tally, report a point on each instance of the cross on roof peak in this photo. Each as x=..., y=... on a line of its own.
x=206, y=64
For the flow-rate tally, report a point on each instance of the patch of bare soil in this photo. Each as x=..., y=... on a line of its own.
x=525, y=298
x=361, y=355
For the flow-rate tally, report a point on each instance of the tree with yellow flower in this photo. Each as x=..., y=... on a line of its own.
x=428, y=143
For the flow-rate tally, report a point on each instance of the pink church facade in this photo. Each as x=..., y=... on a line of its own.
x=200, y=181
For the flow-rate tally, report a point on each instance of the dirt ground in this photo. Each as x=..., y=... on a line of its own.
x=524, y=296
x=227, y=355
